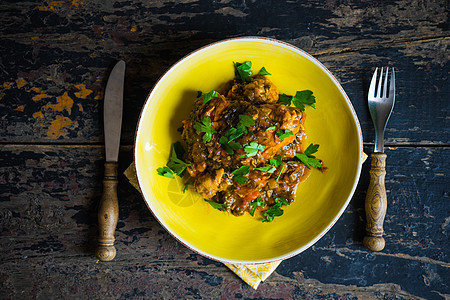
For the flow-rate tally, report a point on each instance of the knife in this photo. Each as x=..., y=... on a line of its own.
x=108, y=211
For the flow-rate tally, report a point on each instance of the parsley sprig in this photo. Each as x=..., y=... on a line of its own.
x=284, y=133
x=166, y=172
x=206, y=127
x=308, y=159
x=227, y=140
x=300, y=99
x=243, y=71
x=218, y=206
x=239, y=174
x=252, y=148
x=256, y=203
x=275, y=210
x=208, y=96
x=175, y=163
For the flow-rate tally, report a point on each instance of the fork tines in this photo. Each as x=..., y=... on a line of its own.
x=375, y=86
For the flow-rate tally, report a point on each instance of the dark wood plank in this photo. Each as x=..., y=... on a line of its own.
x=48, y=200
x=56, y=57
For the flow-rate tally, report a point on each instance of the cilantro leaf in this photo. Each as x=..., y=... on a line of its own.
x=247, y=121
x=239, y=174
x=218, y=206
x=166, y=172
x=311, y=150
x=205, y=127
x=309, y=161
x=243, y=70
x=268, y=169
x=175, y=164
x=284, y=99
x=252, y=148
x=264, y=72
x=208, y=96
x=240, y=179
x=272, y=212
x=256, y=203
x=276, y=162
x=229, y=145
x=270, y=128
x=308, y=158
x=284, y=133
x=303, y=98
x=242, y=170
x=275, y=210
x=279, y=174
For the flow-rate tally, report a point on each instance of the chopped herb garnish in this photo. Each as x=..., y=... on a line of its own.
x=186, y=187
x=284, y=99
x=268, y=169
x=252, y=148
x=241, y=170
x=247, y=121
x=303, y=98
x=308, y=159
x=275, y=210
x=240, y=179
x=166, y=172
x=229, y=146
x=175, y=164
x=270, y=128
x=243, y=70
x=239, y=174
x=279, y=174
x=208, y=96
x=218, y=206
x=205, y=127
x=264, y=72
x=276, y=162
x=284, y=133
x=256, y=203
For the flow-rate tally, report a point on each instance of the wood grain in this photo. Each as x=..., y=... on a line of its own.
x=376, y=203
x=55, y=58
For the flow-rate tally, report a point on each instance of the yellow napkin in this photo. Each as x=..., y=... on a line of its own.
x=253, y=275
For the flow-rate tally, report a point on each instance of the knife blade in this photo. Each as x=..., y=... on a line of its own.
x=108, y=211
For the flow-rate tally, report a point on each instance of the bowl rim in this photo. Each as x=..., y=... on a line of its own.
x=349, y=104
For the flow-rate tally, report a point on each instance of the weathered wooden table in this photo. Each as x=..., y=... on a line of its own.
x=55, y=58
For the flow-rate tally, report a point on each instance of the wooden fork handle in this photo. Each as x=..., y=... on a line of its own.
x=376, y=203
x=108, y=214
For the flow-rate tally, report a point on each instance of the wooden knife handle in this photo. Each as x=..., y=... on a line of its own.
x=376, y=203
x=108, y=214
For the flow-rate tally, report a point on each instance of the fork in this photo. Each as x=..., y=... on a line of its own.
x=381, y=102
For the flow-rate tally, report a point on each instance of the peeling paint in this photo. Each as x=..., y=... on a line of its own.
x=40, y=94
x=83, y=91
x=64, y=102
x=59, y=127
x=20, y=108
x=20, y=82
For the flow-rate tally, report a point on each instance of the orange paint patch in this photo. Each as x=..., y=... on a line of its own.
x=38, y=115
x=8, y=85
x=20, y=82
x=34, y=37
x=63, y=102
x=133, y=29
x=51, y=6
x=40, y=94
x=59, y=127
x=20, y=108
x=83, y=91
x=77, y=3
x=80, y=107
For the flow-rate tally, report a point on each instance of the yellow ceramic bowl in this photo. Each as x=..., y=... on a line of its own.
x=320, y=200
